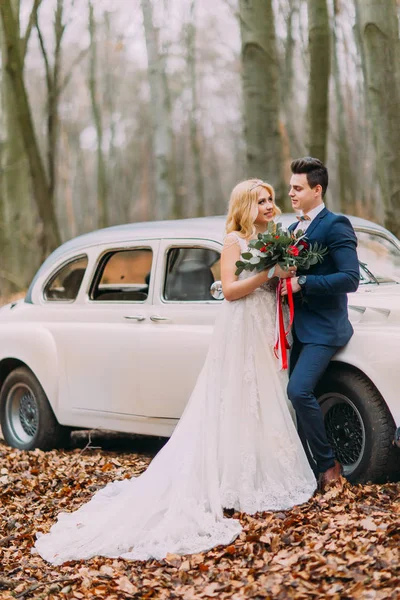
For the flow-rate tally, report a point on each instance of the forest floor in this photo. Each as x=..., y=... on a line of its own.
x=340, y=545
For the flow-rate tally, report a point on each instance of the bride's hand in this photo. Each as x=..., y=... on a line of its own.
x=283, y=274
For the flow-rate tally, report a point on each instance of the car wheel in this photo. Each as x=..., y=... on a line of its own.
x=26, y=417
x=358, y=423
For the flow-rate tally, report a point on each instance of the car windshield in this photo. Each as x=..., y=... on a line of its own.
x=379, y=258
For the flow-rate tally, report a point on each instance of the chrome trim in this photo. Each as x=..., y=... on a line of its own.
x=22, y=413
x=216, y=290
x=360, y=309
x=363, y=309
x=139, y=318
x=383, y=311
x=158, y=319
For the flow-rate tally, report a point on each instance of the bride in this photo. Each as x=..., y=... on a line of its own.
x=235, y=445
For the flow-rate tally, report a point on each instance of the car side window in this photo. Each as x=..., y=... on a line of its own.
x=190, y=273
x=381, y=257
x=65, y=283
x=123, y=276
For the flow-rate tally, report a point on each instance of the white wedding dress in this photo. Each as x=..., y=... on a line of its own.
x=236, y=446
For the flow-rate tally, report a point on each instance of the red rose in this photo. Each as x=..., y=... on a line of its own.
x=263, y=249
x=304, y=245
x=277, y=237
x=293, y=250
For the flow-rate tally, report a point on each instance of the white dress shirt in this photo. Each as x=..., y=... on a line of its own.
x=303, y=225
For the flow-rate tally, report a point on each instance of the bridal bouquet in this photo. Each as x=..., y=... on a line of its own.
x=287, y=249
x=282, y=247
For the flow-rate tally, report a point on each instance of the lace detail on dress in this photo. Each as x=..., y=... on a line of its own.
x=232, y=239
x=248, y=378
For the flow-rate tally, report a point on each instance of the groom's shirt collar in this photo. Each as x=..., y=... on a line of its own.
x=315, y=211
x=303, y=225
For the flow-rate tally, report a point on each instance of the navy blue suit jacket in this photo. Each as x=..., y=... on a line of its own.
x=321, y=315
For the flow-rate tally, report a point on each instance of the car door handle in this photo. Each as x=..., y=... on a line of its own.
x=139, y=318
x=158, y=319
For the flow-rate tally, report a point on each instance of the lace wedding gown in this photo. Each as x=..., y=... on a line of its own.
x=235, y=446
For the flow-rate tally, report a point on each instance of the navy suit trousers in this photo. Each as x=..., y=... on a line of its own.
x=307, y=364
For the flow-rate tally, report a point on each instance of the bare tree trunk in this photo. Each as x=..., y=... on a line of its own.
x=260, y=76
x=218, y=203
x=379, y=31
x=347, y=188
x=288, y=93
x=4, y=286
x=50, y=236
x=53, y=94
x=194, y=112
x=163, y=143
x=111, y=93
x=318, y=90
x=15, y=186
x=98, y=122
x=55, y=86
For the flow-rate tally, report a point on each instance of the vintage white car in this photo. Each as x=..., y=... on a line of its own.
x=116, y=323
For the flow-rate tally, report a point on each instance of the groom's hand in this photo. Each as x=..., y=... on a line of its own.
x=295, y=286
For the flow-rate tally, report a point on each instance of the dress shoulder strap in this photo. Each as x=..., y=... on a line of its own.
x=234, y=238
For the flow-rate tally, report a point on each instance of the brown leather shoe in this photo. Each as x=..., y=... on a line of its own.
x=330, y=476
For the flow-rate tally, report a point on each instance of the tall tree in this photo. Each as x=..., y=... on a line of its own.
x=15, y=185
x=378, y=25
x=194, y=111
x=53, y=84
x=347, y=189
x=319, y=39
x=50, y=237
x=260, y=77
x=163, y=142
x=102, y=209
x=288, y=80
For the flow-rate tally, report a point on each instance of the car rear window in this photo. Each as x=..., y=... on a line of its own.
x=123, y=276
x=65, y=283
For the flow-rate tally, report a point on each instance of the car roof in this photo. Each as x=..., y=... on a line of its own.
x=201, y=227
x=197, y=228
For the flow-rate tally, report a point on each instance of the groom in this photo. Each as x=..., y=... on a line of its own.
x=321, y=324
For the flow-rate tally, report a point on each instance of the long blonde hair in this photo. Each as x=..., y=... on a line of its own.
x=243, y=206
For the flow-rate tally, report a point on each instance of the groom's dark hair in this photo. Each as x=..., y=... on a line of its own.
x=316, y=171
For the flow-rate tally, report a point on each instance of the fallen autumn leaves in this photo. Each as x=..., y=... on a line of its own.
x=344, y=544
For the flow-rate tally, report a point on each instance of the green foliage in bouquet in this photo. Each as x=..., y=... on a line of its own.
x=282, y=247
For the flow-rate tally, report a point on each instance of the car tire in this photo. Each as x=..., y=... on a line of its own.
x=26, y=417
x=359, y=425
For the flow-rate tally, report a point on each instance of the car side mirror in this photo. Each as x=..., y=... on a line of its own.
x=216, y=290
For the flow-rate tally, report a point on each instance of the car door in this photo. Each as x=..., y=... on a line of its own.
x=102, y=344
x=183, y=314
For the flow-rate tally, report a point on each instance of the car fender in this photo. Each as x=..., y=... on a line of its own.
x=371, y=351
x=35, y=347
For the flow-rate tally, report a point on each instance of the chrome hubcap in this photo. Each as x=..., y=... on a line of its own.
x=22, y=413
x=345, y=429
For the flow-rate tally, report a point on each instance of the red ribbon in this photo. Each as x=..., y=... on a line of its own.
x=281, y=342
